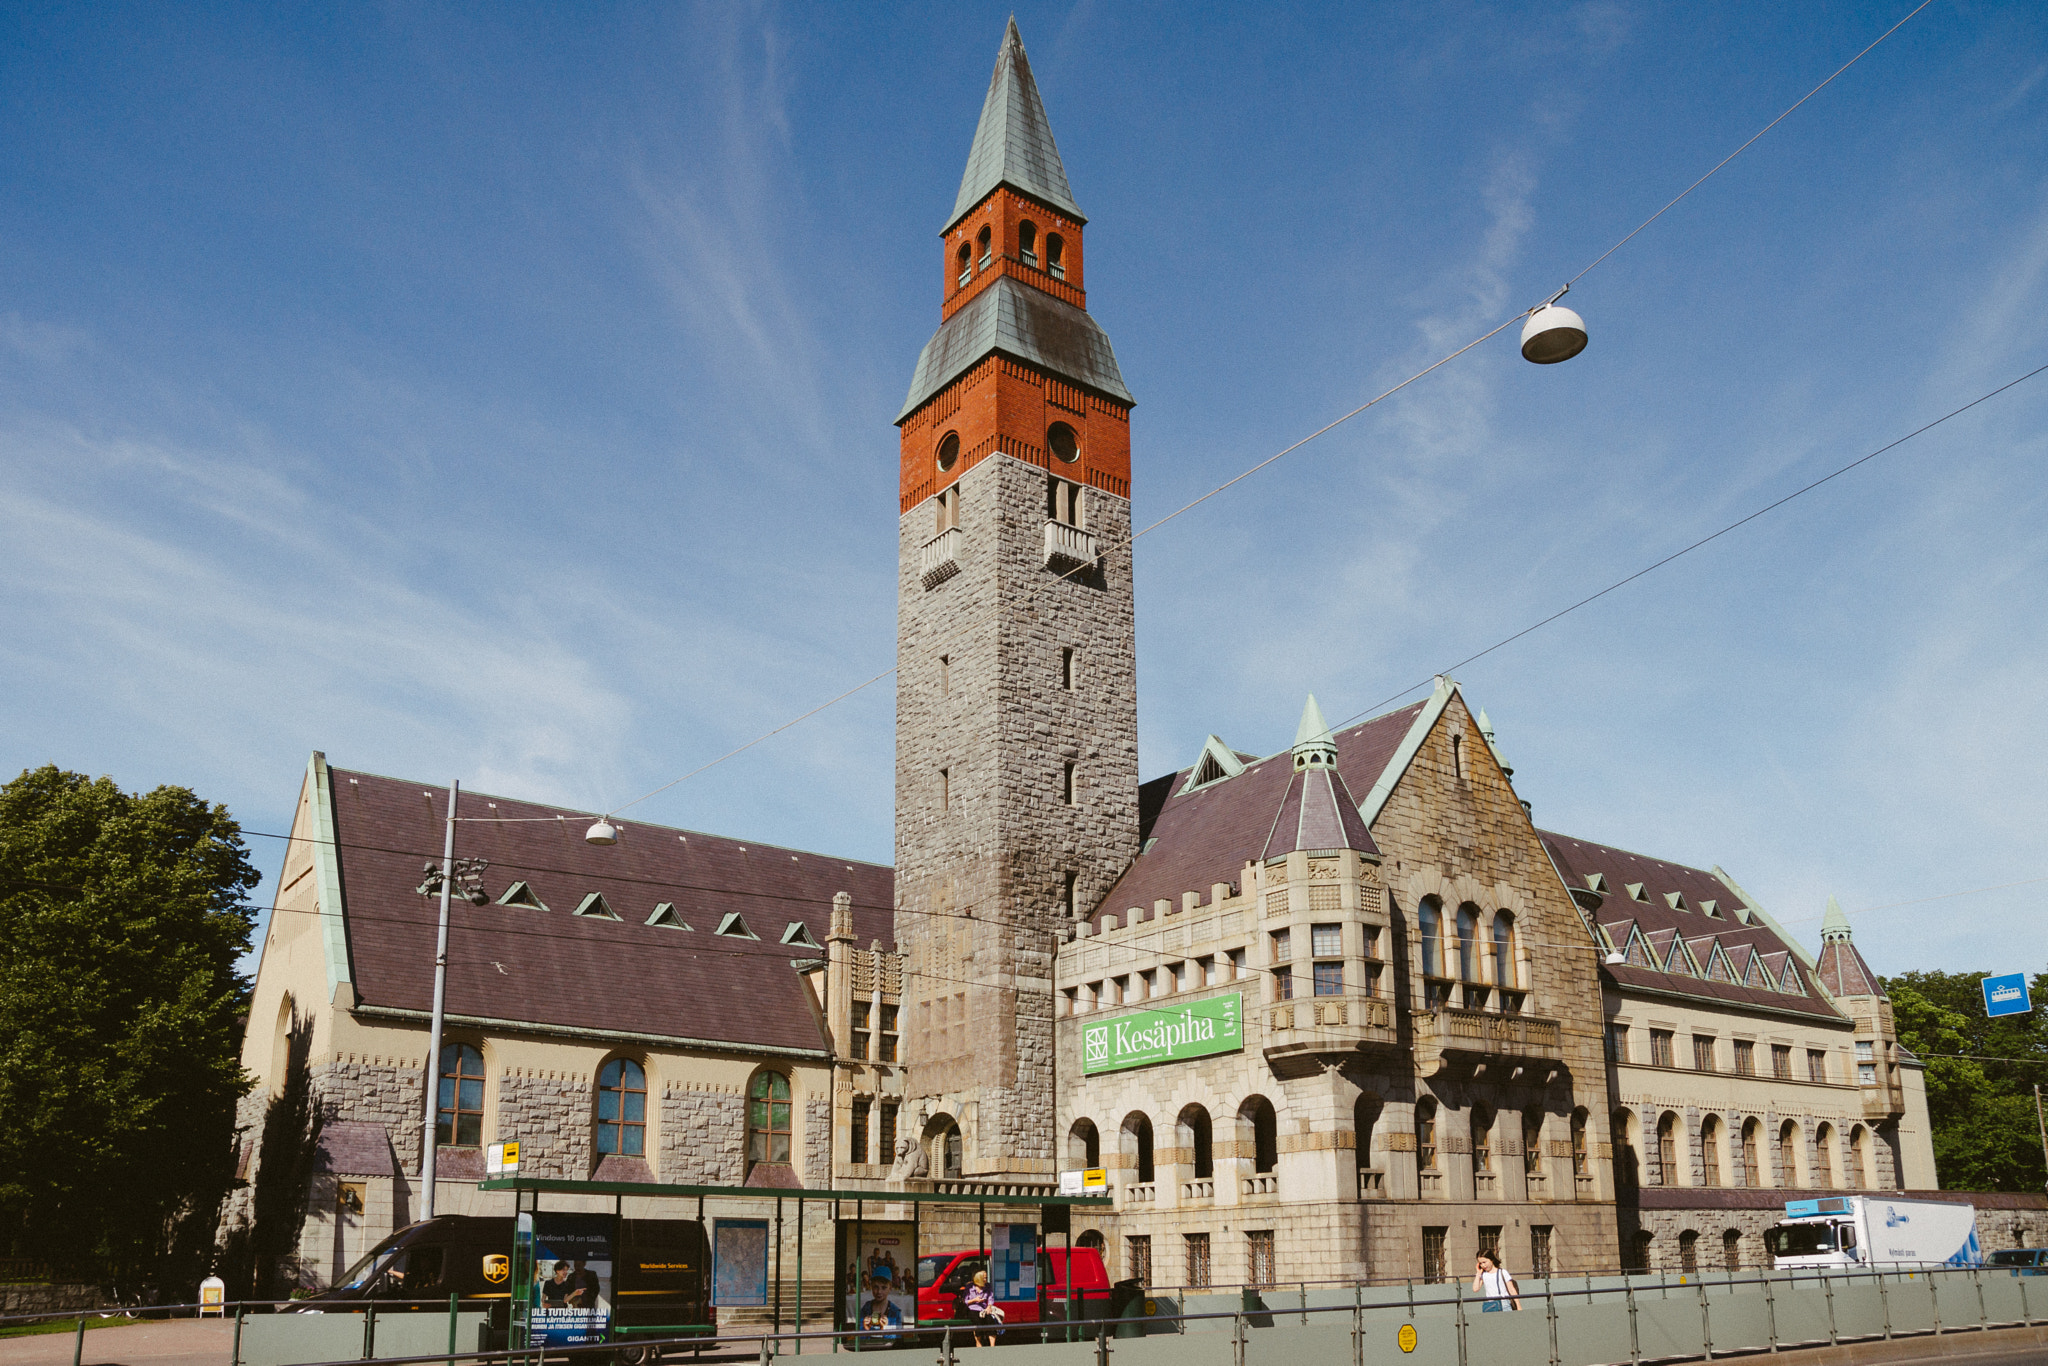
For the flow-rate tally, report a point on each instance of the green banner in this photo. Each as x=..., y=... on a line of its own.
x=1214, y=1024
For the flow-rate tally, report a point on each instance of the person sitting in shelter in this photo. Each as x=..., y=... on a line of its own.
x=981, y=1306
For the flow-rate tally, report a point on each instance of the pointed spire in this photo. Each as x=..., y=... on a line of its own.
x=1835, y=924
x=1013, y=144
x=1314, y=746
x=1486, y=732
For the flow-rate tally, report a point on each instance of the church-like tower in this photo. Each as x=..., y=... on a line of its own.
x=1016, y=693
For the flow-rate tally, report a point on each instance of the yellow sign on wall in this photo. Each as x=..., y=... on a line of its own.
x=1095, y=1178
x=1406, y=1337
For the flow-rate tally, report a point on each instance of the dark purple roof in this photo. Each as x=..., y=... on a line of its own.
x=1192, y=840
x=1317, y=813
x=1843, y=972
x=1661, y=922
x=354, y=1147
x=586, y=971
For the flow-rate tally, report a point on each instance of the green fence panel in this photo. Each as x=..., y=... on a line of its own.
x=2002, y=1303
x=1669, y=1327
x=1202, y=1349
x=1324, y=1296
x=1740, y=1323
x=288, y=1339
x=1912, y=1303
x=1327, y=1342
x=1508, y=1336
x=1591, y=1332
x=1210, y=1304
x=1802, y=1310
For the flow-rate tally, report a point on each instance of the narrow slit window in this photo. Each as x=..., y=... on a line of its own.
x=1067, y=784
x=945, y=789
x=1067, y=669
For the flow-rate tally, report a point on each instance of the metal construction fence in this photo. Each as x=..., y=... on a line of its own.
x=1565, y=1321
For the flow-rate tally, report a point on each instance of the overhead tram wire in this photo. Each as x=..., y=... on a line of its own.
x=1319, y=432
x=1376, y=707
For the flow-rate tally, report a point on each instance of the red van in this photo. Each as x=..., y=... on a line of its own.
x=943, y=1277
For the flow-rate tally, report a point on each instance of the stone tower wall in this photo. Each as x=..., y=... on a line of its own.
x=982, y=855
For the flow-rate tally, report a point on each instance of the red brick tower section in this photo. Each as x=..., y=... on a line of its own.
x=1016, y=698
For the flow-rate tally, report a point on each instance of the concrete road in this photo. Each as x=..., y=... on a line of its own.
x=144, y=1342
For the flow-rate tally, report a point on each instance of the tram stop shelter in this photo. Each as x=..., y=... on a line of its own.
x=870, y=1241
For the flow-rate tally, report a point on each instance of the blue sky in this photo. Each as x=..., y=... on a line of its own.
x=505, y=392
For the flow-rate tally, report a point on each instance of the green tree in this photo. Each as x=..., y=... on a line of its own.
x=121, y=919
x=1980, y=1078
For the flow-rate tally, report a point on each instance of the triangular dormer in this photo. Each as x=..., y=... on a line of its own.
x=797, y=932
x=1675, y=900
x=1216, y=762
x=1790, y=981
x=1680, y=962
x=1639, y=954
x=668, y=916
x=521, y=894
x=1719, y=969
x=596, y=907
x=1755, y=976
x=733, y=927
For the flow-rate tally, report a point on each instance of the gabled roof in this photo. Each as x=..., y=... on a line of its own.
x=1013, y=142
x=1196, y=838
x=1025, y=324
x=1664, y=902
x=591, y=971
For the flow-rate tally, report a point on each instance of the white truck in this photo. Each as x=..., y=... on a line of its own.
x=1873, y=1231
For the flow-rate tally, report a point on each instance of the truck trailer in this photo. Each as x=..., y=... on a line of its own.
x=1844, y=1231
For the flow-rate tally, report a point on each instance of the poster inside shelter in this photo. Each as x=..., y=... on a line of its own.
x=1013, y=1261
x=572, y=1279
x=878, y=1276
x=740, y=1263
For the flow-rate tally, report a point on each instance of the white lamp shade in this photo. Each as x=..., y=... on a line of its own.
x=604, y=832
x=1552, y=334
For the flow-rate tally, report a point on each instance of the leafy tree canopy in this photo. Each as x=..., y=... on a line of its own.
x=121, y=919
x=1980, y=1078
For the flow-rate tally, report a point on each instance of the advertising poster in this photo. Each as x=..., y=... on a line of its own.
x=878, y=1276
x=572, y=1279
x=739, y=1262
x=1013, y=1261
x=1195, y=1030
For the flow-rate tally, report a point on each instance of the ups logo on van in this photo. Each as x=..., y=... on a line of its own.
x=497, y=1266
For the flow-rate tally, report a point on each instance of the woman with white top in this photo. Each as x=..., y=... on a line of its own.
x=1491, y=1280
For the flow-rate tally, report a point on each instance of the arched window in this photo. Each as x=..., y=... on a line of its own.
x=966, y=255
x=1639, y=1250
x=1582, y=1159
x=460, y=1118
x=983, y=238
x=1027, y=242
x=1137, y=1145
x=622, y=1108
x=1532, y=1141
x=1824, y=1157
x=1710, y=1150
x=1504, y=951
x=1628, y=1172
x=1689, y=1252
x=1195, y=1141
x=1056, y=255
x=1084, y=1145
x=1788, y=1154
x=1425, y=1134
x=1468, y=943
x=1256, y=1114
x=944, y=1148
x=1667, y=1150
x=1853, y=1174
x=1482, y=1141
x=768, y=1119
x=1365, y=1113
x=1430, y=920
x=1752, y=1138
x=1731, y=1249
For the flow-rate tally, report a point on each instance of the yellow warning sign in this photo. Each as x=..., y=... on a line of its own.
x=1406, y=1337
x=1095, y=1178
x=511, y=1154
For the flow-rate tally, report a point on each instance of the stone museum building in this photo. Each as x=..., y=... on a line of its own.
x=1340, y=1011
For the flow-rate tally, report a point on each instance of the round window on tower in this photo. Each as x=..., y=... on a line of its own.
x=949, y=451
x=1063, y=442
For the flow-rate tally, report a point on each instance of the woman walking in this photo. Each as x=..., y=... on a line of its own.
x=1491, y=1280
x=981, y=1305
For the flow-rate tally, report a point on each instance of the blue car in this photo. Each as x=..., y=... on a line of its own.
x=2020, y=1261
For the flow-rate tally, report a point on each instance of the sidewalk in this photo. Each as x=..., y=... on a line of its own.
x=146, y=1342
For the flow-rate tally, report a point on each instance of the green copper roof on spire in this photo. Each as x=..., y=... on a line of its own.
x=1013, y=144
x=1313, y=742
x=1835, y=924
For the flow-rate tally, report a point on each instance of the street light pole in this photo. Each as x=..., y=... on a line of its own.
x=433, y=1069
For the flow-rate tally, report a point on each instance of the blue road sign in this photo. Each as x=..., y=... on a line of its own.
x=2007, y=995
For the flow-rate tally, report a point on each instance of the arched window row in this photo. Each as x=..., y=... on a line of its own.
x=1047, y=253
x=1470, y=957
x=1254, y=1133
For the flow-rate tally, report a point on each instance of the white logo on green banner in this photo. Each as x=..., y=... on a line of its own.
x=1197, y=1029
